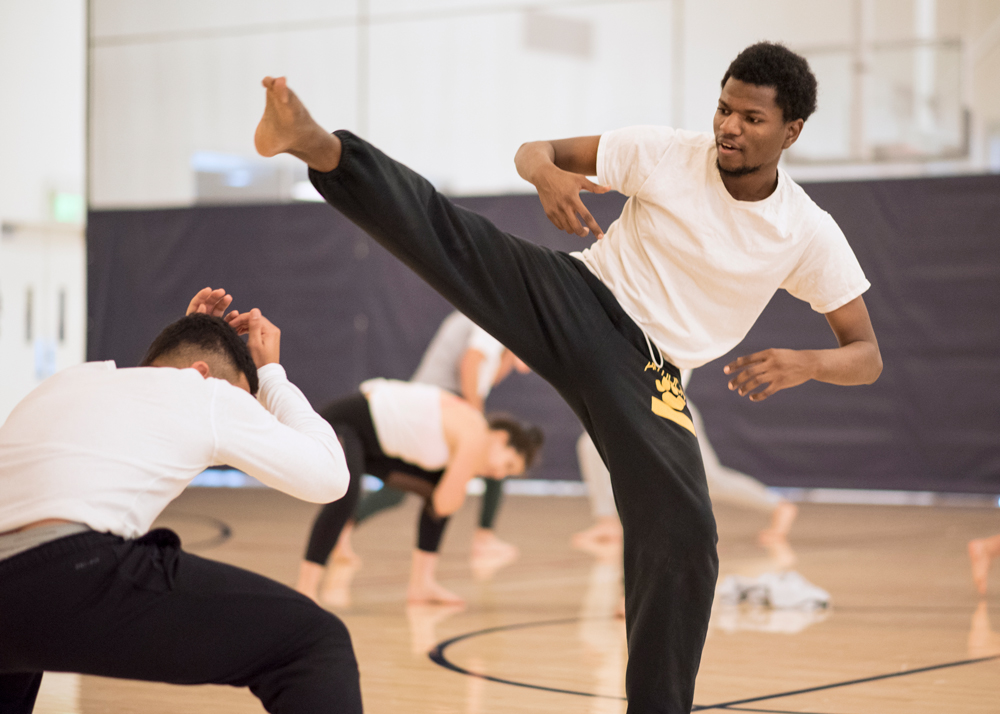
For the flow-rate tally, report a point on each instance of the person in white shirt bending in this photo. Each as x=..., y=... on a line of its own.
x=91, y=457
x=422, y=439
x=711, y=230
x=465, y=360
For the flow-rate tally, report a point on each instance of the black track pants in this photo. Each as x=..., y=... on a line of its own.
x=144, y=609
x=552, y=312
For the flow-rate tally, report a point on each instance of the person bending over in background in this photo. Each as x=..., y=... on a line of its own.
x=425, y=440
x=92, y=456
x=711, y=230
x=465, y=360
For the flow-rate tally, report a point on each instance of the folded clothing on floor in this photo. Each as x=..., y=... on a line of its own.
x=781, y=591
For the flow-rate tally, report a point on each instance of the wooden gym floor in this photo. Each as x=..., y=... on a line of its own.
x=906, y=632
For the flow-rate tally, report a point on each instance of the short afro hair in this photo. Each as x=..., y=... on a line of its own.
x=768, y=64
x=210, y=334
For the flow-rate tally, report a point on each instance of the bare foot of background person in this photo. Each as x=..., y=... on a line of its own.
x=490, y=554
x=336, y=591
x=782, y=518
x=344, y=553
x=606, y=531
x=981, y=552
x=310, y=576
x=424, y=619
x=287, y=128
x=423, y=587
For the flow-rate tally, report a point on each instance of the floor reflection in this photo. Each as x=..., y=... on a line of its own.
x=983, y=641
x=601, y=633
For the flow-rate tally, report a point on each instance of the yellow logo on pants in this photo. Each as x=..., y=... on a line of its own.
x=671, y=402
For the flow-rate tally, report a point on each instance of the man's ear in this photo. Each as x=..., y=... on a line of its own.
x=202, y=368
x=792, y=131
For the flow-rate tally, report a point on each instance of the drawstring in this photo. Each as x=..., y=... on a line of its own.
x=652, y=356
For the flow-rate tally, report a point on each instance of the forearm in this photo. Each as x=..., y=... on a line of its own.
x=533, y=158
x=854, y=363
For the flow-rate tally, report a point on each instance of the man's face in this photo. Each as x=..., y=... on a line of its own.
x=750, y=128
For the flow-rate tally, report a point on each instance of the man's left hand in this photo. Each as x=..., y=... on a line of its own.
x=774, y=369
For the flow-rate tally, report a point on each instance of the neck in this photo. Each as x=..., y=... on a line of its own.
x=752, y=187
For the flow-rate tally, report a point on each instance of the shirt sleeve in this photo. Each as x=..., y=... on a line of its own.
x=491, y=349
x=278, y=438
x=828, y=275
x=626, y=157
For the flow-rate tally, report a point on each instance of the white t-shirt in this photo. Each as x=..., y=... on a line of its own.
x=407, y=420
x=112, y=447
x=442, y=360
x=693, y=266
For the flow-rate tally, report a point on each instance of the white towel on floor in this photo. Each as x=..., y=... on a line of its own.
x=781, y=591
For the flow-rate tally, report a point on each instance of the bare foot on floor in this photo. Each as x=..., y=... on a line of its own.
x=979, y=555
x=424, y=619
x=287, y=127
x=781, y=523
x=490, y=554
x=336, y=590
x=431, y=593
x=606, y=532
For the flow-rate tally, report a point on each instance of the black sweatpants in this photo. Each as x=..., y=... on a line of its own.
x=144, y=609
x=553, y=313
x=351, y=419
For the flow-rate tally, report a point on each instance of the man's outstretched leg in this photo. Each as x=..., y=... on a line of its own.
x=551, y=311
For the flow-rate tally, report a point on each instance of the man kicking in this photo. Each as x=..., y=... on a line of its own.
x=92, y=456
x=711, y=230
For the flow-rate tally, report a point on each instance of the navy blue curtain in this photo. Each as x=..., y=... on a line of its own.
x=349, y=311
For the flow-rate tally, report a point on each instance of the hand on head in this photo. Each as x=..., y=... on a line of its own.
x=210, y=302
x=264, y=339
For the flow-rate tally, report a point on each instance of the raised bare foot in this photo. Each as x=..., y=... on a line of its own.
x=431, y=592
x=287, y=127
x=781, y=523
x=979, y=555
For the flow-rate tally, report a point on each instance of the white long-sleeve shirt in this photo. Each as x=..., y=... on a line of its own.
x=111, y=447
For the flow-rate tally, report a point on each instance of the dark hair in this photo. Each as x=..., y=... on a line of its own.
x=525, y=439
x=207, y=333
x=768, y=64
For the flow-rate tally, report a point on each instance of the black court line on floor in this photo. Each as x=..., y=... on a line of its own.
x=438, y=657
x=224, y=532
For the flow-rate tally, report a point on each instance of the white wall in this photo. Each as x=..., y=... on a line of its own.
x=42, y=62
x=42, y=105
x=452, y=87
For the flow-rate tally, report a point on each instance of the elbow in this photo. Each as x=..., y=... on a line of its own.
x=875, y=368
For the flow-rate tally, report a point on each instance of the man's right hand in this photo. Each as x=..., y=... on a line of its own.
x=559, y=192
x=559, y=170
x=264, y=338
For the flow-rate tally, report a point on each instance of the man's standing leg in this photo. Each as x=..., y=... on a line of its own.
x=18, y=692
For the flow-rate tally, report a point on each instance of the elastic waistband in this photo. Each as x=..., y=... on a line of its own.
x=624, y=324
x=57, y=549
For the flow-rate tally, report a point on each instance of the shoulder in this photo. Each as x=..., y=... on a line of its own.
x=800, y=205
